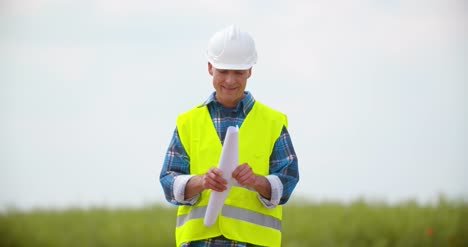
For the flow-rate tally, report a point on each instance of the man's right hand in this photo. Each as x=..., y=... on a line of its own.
x=214, y=180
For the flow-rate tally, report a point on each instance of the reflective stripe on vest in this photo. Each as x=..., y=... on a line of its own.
x=235, y=213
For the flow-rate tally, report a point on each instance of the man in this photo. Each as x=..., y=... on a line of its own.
x=268, y=172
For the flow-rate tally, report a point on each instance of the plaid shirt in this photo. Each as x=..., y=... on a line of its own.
x=217, y=242
x=283, y=160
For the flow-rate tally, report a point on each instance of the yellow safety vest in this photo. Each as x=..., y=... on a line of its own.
x=243, y=217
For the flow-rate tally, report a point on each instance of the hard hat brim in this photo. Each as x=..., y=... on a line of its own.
x=231, y=66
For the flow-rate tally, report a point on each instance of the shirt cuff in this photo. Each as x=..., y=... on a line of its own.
x=179, y=190
x=276, y=192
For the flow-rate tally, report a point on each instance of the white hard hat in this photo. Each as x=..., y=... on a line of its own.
x=231, y=48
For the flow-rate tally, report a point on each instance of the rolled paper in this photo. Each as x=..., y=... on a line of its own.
x=227, y=164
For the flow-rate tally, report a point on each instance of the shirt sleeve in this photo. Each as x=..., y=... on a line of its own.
x=179, y=190
x=284, y=172
x=175, y=173
x=276, y=192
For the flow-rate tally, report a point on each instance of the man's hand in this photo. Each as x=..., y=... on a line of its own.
x=245, y=177
x=214, y=180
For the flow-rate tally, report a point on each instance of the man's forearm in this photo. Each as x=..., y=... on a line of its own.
x=262, y=186
x=194, y=186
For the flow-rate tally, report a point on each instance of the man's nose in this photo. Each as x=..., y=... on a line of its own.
x=230, y=78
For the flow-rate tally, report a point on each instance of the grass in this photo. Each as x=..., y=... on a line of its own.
x=376, y=224
x=359, y=223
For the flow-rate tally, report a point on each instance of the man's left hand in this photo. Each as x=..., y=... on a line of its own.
x=244, y=175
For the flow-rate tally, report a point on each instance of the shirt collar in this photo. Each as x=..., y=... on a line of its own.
x=246, y=103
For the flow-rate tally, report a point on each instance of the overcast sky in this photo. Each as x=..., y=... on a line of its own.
x=375, y=92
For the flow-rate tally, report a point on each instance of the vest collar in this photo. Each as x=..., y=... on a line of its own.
x=245, y=104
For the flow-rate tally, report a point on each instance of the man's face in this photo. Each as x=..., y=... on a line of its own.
x=229, y=84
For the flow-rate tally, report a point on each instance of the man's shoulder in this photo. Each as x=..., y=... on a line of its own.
x=191, y=113
x=268, y=112
x=267, y=108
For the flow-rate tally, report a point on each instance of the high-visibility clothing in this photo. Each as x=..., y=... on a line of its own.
x=243, y=217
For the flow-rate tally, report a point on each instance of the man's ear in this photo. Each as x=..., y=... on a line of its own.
x=250, y=73
x=210, y=68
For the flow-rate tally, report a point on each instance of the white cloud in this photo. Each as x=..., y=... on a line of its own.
x=125, y=8
x=312, y=38
x=66, y=63
x=23, y=7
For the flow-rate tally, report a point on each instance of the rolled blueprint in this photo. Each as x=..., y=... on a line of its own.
x=227, y=164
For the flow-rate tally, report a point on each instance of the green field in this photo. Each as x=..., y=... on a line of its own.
x=359, y=223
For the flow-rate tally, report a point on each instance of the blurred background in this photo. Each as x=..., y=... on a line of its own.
x=375, y=92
